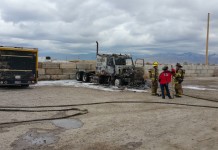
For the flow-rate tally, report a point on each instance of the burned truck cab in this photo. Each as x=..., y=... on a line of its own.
x=115, y=68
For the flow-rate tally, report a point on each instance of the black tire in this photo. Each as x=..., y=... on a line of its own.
x=85, y=77
x=102, y=79
x=79, y=76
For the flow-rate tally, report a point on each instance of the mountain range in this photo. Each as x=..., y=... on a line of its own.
x=181, y=58
x=163, y=57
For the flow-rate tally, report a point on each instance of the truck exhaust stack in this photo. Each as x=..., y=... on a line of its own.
x=97, y=48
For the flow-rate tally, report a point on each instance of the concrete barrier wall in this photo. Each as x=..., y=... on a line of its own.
x=193, y=70
x=67, y=70
x=62, y=71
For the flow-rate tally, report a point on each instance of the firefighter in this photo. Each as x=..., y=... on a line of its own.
x=178, y=79
x=153, y=75
x=165, y=79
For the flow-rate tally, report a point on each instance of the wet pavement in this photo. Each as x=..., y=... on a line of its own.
x=35, y=139
x=112, y=126
x=68, y=123
x=42, y=139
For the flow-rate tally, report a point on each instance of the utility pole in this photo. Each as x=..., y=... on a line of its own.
x=207, y=41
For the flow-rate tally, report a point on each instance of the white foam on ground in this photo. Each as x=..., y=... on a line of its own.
x=193, y=87
x=74, y=83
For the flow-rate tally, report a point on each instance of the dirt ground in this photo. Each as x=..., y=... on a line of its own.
x=150, y=123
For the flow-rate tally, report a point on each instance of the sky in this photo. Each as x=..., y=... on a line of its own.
x=69, y=28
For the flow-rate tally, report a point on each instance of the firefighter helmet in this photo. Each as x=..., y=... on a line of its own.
x=179, y=65
x=155, y=64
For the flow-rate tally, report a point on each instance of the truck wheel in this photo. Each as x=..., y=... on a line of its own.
x=85, y=77
x=118, y=82
x=79, y=76
x=100, y=80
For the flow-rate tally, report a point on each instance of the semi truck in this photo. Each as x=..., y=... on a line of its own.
x=18, y=66
x=115, y=69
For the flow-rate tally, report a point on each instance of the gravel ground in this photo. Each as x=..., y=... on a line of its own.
x=127, y=126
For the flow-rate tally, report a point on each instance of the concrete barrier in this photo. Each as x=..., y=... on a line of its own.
x=192, y=70
x=69, y=71
x=83, y=66
x=41, y=71
x=50, y=65
x=216, y=72
x=63, y=71
x=53, y=72
x=44, y=77
x=68, y=65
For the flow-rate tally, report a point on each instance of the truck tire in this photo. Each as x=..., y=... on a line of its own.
x=118, y=82
x=85, y=77
x=103, y=79
x=79, y=76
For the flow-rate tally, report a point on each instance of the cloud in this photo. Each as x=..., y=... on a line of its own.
x=73, y=26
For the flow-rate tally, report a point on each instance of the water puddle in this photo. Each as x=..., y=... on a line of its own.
x=39, y=139
x=35, y=139
x=68, y=123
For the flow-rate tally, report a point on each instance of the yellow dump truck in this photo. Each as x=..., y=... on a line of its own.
x=18, y=66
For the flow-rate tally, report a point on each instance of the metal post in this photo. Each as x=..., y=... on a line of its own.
x=96, y=48
x=207, y=41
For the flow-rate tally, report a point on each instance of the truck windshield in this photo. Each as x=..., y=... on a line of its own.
x=123, y=61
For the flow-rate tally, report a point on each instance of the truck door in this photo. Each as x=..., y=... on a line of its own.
x=110, y=65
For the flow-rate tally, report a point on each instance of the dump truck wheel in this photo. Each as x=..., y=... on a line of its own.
x=79, y=76
x=85, y=77
x=118, y=82
x=100, y=80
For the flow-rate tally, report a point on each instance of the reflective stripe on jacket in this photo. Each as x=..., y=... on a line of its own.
x=153, y=74
x=178, y=75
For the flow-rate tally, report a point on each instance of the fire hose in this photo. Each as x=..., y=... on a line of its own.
x=85, y=111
